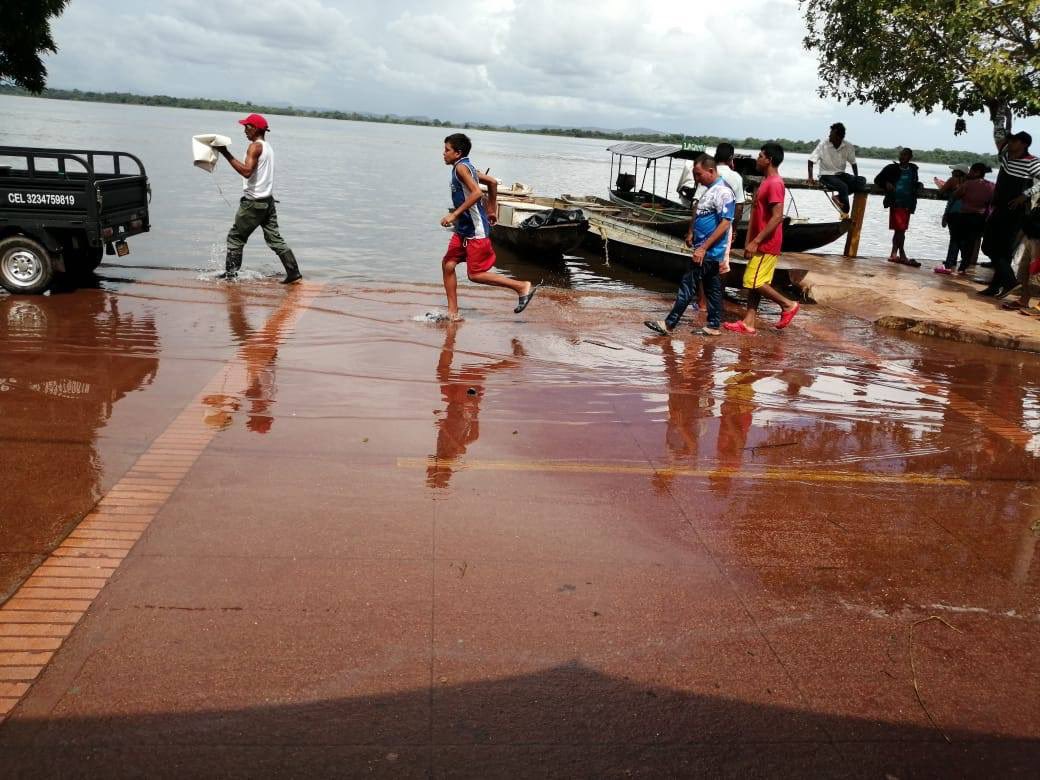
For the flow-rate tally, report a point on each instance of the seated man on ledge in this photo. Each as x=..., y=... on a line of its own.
x=832, y=154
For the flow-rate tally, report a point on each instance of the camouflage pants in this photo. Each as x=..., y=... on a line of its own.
x=253, y=214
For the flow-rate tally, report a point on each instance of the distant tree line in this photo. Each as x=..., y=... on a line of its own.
x=947, y=156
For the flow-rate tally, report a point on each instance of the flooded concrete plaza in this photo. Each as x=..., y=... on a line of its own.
x=251, y=531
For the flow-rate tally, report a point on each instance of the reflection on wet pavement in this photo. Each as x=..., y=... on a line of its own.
x=258, y=350
x=754, y=520
x=458, y=425
x=65, y=363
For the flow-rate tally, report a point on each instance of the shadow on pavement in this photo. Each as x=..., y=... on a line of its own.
x=568, y=721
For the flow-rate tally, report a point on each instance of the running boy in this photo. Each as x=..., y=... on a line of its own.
x=471, y=242
x=764, y=238
x=713, y=216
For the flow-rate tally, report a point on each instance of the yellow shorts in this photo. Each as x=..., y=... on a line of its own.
x=759, y=271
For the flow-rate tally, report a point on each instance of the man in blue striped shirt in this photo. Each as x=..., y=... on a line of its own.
x=710, y=233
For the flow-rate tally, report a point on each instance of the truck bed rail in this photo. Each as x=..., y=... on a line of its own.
x=85, y=158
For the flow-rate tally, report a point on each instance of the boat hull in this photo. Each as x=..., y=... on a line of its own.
x=802, y=237
x=670, y=218
x=646, y=250
x=637, y=247
x=550, y=241
x=655, y=261
x=798, y=236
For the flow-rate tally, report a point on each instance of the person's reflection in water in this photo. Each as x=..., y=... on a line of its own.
x=689, y=400
x=258, y=350
x=737, y=411
x=462, y=390
x=738, y=405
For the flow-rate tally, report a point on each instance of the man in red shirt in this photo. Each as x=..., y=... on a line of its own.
x=764, y=238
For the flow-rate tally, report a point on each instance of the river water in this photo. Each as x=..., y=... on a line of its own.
x=361, y=201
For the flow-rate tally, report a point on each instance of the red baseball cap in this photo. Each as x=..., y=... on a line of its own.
x=255, y=120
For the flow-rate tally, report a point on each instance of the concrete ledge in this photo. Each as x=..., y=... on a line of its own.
x=913, y=300
x=963, y=333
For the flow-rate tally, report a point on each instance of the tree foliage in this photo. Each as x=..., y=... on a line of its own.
x=25, y=35
x=962, y=56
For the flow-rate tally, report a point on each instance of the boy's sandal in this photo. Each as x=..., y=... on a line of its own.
x=658, y=327
x=787, y=316
x=521, y=304
x=739, y=327
x=1012, y=305
x=1029, y=311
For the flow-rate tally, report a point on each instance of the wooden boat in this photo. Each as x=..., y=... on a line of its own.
x=804, y=236
x=799, y=235
x=661, y=222
x=548, y=241
x=660, y=213
x=641, y=248
x=647, y=250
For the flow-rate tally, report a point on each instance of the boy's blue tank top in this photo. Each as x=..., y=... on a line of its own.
x=474, y=222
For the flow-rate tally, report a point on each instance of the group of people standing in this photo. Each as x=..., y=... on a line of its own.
x=995, y=215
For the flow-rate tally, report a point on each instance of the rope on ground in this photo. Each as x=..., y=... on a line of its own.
x=913, y=669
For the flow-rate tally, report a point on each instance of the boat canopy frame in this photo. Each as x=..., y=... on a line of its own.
x=640, y=150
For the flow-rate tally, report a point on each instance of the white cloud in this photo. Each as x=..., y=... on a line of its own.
x=737, y=68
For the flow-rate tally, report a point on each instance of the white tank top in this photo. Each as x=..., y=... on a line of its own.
x=261, y=183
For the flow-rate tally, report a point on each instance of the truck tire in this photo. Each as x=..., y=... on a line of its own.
x=25, y=266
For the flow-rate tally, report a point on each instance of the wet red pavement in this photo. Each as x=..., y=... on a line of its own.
x=519, y=546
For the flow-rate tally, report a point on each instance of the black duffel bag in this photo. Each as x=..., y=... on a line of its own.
x=553, y=217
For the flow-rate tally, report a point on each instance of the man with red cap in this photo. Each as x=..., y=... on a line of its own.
x=256, y=209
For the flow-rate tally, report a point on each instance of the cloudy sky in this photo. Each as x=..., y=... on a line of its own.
x=734, y=68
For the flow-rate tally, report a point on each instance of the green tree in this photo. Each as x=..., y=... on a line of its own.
x=25, y=34
x=962, y=56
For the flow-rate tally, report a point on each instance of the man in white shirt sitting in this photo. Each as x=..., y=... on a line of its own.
x=832, y=154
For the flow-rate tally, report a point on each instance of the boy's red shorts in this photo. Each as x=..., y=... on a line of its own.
x=898, y=218
x=477, y=252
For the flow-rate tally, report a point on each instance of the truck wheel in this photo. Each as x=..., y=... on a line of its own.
x=25, y=265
